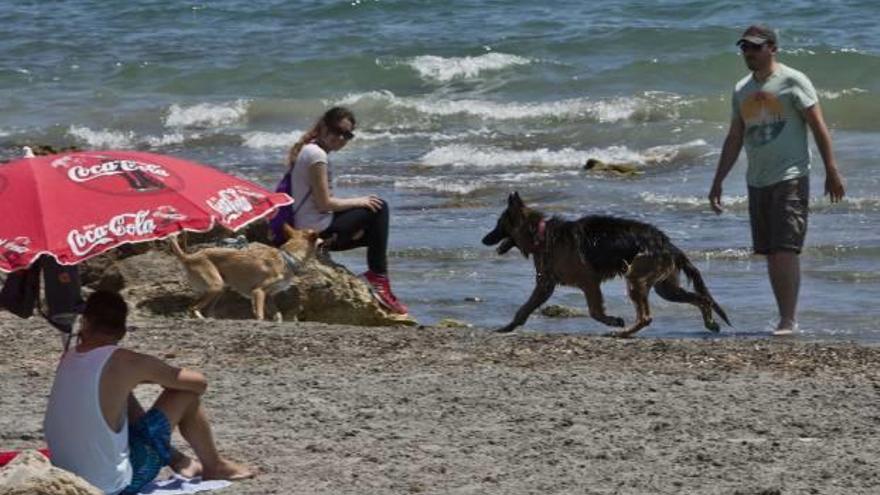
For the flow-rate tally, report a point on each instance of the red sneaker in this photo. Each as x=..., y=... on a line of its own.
x=381, y=288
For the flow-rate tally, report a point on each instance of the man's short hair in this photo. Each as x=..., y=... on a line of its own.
x=106, y=312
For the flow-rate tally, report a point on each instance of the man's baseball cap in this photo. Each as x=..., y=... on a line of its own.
x=758, y=34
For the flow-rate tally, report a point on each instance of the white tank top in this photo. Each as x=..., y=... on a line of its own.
x=79, y=438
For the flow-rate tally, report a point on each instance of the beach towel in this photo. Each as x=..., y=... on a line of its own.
x=171, y=486
x=180, y=485
x=8, y=456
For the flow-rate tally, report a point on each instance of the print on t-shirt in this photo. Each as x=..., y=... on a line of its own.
x=763, y=116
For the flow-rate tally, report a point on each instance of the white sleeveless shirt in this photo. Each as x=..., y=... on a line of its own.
x=79, y=438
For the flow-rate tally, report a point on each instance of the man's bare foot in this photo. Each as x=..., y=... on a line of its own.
x=228, y=470
x=185, y=466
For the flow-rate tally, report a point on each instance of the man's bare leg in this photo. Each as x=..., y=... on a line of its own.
x=784, y=268
x=184, y=410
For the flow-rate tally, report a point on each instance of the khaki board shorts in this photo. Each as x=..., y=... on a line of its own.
x=778, y=215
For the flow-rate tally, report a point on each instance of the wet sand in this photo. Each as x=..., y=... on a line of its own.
x=334, y=409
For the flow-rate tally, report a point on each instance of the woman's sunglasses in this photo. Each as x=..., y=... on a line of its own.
x=346, y=135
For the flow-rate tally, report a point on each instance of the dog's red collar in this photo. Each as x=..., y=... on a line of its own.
x=539, y=239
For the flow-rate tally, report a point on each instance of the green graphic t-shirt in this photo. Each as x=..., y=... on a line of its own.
x=775, y=129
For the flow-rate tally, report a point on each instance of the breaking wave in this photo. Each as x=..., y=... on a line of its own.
x=647, y=107
x=108, y=138
x=489, y=156
x=207, y=115
x=443, y=69
x=468, y=185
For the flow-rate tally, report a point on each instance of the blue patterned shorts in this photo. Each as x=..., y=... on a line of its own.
x=149, y=448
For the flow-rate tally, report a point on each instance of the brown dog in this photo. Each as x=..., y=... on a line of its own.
x=585, y=252
x=255, y=272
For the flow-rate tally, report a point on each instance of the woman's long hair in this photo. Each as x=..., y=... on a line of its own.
x=329, y=120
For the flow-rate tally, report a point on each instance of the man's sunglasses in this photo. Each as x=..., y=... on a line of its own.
x=745, y=46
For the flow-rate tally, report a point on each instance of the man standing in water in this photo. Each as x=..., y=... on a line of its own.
x=772, y=107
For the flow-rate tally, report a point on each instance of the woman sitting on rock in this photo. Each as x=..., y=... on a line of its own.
x=343, y=223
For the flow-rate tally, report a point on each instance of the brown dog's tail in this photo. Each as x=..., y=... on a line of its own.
x=699, y=286
x=175, y=248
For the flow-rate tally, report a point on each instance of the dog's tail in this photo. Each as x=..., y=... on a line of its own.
x=697, y=280
x=175, y=248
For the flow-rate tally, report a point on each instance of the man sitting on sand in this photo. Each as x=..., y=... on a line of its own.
x=96, y=428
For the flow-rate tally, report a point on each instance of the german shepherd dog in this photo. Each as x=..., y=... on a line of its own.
x=590, y=250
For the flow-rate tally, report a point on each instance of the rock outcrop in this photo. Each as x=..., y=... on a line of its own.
x=154, y=282
x=30, y=473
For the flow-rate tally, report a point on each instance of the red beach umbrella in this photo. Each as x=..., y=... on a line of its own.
x=76, y=205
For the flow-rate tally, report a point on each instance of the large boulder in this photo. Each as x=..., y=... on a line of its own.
x=155, y=283
x=30, y=473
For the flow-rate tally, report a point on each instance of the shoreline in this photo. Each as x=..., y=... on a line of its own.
x=340, y=409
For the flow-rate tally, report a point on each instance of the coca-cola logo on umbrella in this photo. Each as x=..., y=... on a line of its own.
x=117, y=176
x=233, y=202
x=123, y=227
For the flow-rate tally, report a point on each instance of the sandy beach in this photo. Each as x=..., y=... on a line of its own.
x=336, y=409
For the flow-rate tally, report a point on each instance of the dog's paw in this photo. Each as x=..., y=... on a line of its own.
x=506, y=329
x=713, y=326
x=198, y=314
x=613, y=321
x=278, y=318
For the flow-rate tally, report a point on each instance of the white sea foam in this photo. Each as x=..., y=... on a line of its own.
x=440, y=184
x=205, y=115
x=355, y=180
x=610, y=110
x=167, y=139
x=692, y=202
x=443, y=69
x=467, y=185
x=722, y=254
x=489, y=156
x=432, y=136
x=817, y=203
x=833, y=95
x=271, y=140
x=865, y=203
x=104, y=138
x=261, y=139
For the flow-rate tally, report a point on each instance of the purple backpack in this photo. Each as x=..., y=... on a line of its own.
x=285, y=214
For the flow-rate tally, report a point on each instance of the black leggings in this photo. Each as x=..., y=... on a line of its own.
x=374, y=224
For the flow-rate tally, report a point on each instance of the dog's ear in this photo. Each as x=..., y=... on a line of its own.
x=289, y=232
x=514, y=201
